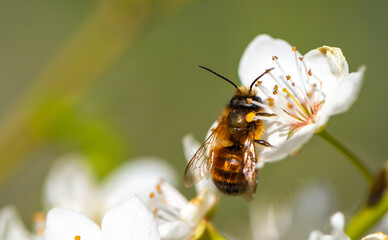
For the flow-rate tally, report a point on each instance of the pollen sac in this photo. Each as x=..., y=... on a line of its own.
x=250, y=117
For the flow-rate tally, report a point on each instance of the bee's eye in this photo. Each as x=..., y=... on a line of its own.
x=234, y=101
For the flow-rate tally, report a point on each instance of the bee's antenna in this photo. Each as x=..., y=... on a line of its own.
x=220, y=76
x=253, y=83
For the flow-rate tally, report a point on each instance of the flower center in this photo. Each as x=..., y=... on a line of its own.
x=296, y=103
x=160, y=204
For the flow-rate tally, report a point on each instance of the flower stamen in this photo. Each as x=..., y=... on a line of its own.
x=39, y=219
x=298, y=102
x=285, y=90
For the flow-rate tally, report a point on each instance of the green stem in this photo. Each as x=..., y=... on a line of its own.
x=366, y=218
x=355, y=160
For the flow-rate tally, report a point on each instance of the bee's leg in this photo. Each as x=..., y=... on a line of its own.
x=263, y=143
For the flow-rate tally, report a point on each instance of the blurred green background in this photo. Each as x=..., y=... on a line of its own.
x=151, y=92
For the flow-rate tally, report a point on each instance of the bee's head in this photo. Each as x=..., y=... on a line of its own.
x=243, y=98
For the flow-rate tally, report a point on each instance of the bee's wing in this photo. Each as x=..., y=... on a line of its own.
x=199, y=166
x=250, y=171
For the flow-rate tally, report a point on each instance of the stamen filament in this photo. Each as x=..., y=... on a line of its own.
x=304, y=93
x=280, y=67
x=296, y=101
x=272, y=118
x=277, y=111
x=309, y=89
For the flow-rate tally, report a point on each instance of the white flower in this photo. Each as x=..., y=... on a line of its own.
x=127, y=220
x=376, y=236
x=303, y=91
x=337, y=222
x=294, y=218
x=12, y=227
x=177, y=217
x=72, y=184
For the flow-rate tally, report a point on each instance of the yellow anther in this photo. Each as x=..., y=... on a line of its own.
x=268, y=70
x=270, y=102
x=294, y=49
x=288, y=77
x=275, y=92
x=301, y=58
x=155, y=210
x=274, y=58
x=77, y=237
x=293, y=84
x=152, y=194
x=38, y=217
x=309, y=72
x=276, y=87
x=289, y=105
x=250, y=117
x=159, y=188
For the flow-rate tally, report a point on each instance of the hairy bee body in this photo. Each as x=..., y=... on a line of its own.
x=228, y=156
x=227, y=169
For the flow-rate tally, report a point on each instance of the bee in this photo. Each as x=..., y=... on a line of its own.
x=228, y=156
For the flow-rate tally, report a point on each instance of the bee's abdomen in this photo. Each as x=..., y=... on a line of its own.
x=227, y=172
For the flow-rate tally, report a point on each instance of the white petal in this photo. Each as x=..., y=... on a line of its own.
x=282, y=146
x=317, y=235
x=199, y=206
x=129, y=220
x=11, y=226
x=337, y=222
x=258, y=57
x=190, y=147
x=139, y=176
x=340, y=88
x=329, y=65
x=65, y=224
x=71, y=184
x=175, y=230
x=270, y=222
x=346, y=94
x=172, y=196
